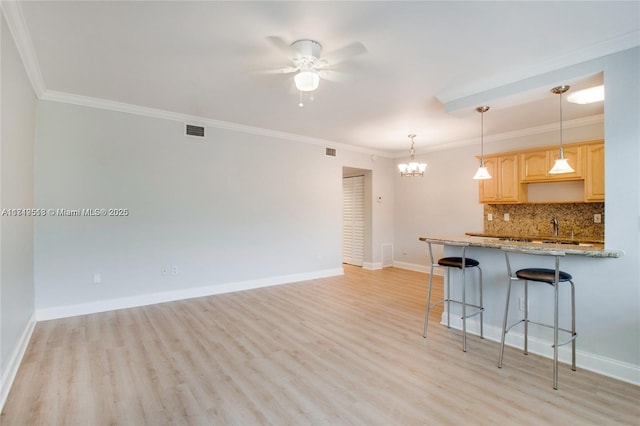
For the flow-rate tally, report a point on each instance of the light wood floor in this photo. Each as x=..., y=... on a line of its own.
x=343, y=350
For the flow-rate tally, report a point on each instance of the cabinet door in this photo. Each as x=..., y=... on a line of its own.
x=594, y=179
x=535, y=166
x=508, y=179
x=489, y=187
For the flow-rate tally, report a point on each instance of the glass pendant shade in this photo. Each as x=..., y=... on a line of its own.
x=307, y=81
x=482, y=173
x=561, y=166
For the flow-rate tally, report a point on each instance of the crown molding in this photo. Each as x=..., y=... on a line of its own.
x=54, y=96
x=597, y=50
x=570, y=124
x=18, y=28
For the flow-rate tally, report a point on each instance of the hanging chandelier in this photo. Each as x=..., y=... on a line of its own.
x=413, y=168
x=561, y=165
x=482, y=172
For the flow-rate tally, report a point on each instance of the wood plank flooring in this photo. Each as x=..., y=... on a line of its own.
x=342, y=350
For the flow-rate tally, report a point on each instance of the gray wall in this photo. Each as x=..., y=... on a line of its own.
x=226, y=210
x=608, y=291
x=16, y=192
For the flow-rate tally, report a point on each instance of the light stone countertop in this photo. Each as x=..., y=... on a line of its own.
x=591, y=250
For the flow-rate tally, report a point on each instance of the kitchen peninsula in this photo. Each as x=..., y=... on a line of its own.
x=589, y=264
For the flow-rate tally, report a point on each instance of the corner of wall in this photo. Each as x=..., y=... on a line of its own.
x=8, y=376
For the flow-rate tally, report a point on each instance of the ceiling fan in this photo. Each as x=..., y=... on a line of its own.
x=309, y=64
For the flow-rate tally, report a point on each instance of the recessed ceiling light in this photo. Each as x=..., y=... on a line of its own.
x=587, y=96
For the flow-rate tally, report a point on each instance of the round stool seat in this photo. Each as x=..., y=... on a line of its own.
x=456, y=262
x=543, y=275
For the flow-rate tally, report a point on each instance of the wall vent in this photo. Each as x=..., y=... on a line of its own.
x=193, y=130
x=331, y=152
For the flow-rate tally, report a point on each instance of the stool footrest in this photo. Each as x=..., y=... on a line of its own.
x=478, y=312
x=568, y=341
x=573, y=337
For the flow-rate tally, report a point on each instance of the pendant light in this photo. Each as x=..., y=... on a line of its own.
x=482, y=172
x=561, y=165
x=413, y=168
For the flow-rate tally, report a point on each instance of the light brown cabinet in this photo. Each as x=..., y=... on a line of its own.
x=504, y=187
x=512, y=171
x=535, y=165
x=594, y=174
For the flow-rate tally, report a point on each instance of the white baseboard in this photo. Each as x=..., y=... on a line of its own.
x=9, y=375
x=416, y=267
x=596, y=363
x=372, y=266
x=170, y=296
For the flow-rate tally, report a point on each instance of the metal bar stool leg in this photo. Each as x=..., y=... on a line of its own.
x=555, y=335
x=428, y=310
x=464, y=310
x=481, y=306
x=448, y=298
x=526, y=317
x=573, y=327
x=504, y=324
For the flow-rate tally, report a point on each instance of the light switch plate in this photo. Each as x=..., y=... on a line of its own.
x=597, y=218
x=489, y=217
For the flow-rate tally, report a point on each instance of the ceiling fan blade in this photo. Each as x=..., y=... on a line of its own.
x=347, y=52
x=285, y=70
x=333, y=76
x=281, y=45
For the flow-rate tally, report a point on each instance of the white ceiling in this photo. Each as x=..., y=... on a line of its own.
x=203, y=59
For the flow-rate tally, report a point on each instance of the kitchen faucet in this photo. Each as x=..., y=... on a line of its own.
x=554, y=221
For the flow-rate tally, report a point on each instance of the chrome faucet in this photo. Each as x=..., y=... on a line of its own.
x=554, y=222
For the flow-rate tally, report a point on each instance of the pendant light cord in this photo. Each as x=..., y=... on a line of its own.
x=482, y=139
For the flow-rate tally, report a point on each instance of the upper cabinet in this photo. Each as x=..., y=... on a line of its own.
x=594, y=174
x=504, y=187
x=535, y=165
x=512, y=171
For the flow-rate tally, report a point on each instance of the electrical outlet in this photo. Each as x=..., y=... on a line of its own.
x=506, y=217
x=489, y=217
x=597, y=218
x=97, y=279
x=521, y=304
x=174, y=270
x=164, y=270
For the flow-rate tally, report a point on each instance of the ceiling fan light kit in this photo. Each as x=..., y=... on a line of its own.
x=307, y=80
x=306, y=60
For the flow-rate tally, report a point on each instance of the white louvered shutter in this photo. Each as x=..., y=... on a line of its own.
x=353, y=220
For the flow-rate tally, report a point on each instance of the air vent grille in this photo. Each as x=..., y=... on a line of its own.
x=193, y=130
x=331, y=152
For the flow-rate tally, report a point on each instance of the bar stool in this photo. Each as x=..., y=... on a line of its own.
x=448, y=263
x=551, y=277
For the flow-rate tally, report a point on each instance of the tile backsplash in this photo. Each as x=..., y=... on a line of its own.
x=535, y=219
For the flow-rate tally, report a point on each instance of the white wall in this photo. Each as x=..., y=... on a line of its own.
x=18, y=105
x=233, y=211
x=608, y=290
